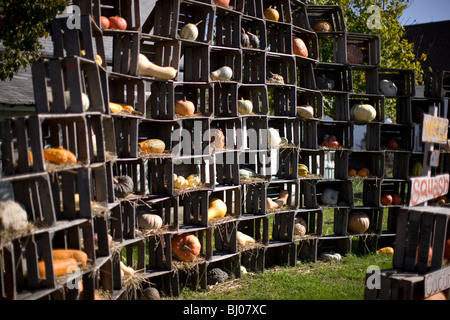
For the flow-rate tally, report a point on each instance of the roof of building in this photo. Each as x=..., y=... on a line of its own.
x=432, y=39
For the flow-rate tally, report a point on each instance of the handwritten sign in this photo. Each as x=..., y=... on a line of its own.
x=437, y=281
x=435, y=129
x=427, y=188
x=433, y=158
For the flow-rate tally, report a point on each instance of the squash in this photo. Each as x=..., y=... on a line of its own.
x=278, y=203
x=305, y=112
x=150, y=293
x=274, y=138
x=98, y=58
x=322, y=26
x=190, y=31
x=300, y=227
x=149, y=69
x=59, y=155
x=152, y=146
x=246, y=173
x=363, y=112
x=244, y=240
x=364, y=172
x=180, y=183
x=396, y=199
x=224, y=73
x=222, y=3
x=193, y=180
x=386, y=199
x=272, y=14
x=329, y=197
x=438, y=296
x=185, y=246
x=392, y=144
x=299, y=47
x=245, y=106
x=115, y=107
x=330, y=256
x=354, y=55
x=352, y=172
x=127, y=271
x=417, y=169
x=245, y=39
x=389, y=251
x=184, y=108
x=358, y=222
x=123, y=186
x=217, y=139
x=84, y=100
x=324, y=83
x=117, y=23
x=104, y=21
x=254, y=40
x=217, y=209
x=388, y=88
x=302, y=170
x=80, y=256
x=13, y=216
x=149, y=221
x=61, y=267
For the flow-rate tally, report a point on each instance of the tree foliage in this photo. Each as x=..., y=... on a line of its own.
x=22, y=24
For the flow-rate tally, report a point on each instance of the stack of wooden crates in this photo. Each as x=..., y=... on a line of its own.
x=106, y=145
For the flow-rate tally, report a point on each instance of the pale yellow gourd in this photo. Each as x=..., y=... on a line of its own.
x=280, y=202
x=243, y=239
x=149, y=69
x=217, y=209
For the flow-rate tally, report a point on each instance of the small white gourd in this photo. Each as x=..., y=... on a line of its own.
x=222, y=74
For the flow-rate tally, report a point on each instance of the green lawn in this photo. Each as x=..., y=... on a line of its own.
x=344, y=280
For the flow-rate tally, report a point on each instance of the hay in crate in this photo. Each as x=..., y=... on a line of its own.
x=134, y=284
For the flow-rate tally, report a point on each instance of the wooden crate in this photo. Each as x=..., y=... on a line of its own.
x=334, y=42
x=69, y=42
x=258, y=95
x=194, y=208
x=125, y=51
x=344, y=188
x=20, y=279
x=136, y=170
x=402, y=134
x=336, y=105
x=343, y=131
x=257, y=228
x=232, y=133
x=202, y=166
x=284, y=100
x=202, y=95
x=227, y=168
x=102, y=187
x=130, y=92
x=274, y=189
x=159, y=252
x=162, y=53
x=195, y=137
x=369, y=46
x=282, y=65
x=313, y=98
x=159, y=129
x=230, y=263
x=225, y=100
x=255, y=133
x=125, y=221
x=127, y=9
x=230, y=57
x=374, y=161
x=283, y=7
x=53, y=77
x=205, y=237
x=281, y=253
x=308, y=135
x=402, y=188
x=288, y=129
x=299, y=15
x=287, y=162
x=335, y=244
x=21, y=146
x=376, y=101
x=305, y=74
x=168, y=17
x=227, y=28
x=424, y=228
x=258, y=162
x=314, y=223
x=254, y=67
x=315, y=161
x=100, y=146
x=366, y=80
x=257, y=27
x=341, y=221
x=307, y=249
x=132, y=254
x=404, y=79
x=225, y=241
x=126, y=136
x=333, y=14
x=279, y=37
x=311, y=41
x=339, y=74
x=283, y=226
x=195, y=60
x=437, y=84
x=164, y=206
x=232, y=197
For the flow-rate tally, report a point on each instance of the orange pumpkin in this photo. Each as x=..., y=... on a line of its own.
x=352, y=172
x=386, y=199
x=364, y=172
x=185, y=246
x=299, y=47
x=323, y=26
x=272, y=14
x=59, y=155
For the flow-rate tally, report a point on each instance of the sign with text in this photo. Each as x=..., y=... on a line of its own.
x=437, y=281
x=435, y=129
x=428, y=188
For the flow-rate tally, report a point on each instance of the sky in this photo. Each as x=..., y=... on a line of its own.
x=424, y=11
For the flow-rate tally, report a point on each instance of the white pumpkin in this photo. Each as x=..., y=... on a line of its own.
x=388, y=88
x=84, y=100
x=274, y=138
x=330, y=256
x=305, y=112
x=330, y=197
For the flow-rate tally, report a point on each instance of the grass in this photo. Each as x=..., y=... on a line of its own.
x=344, y=280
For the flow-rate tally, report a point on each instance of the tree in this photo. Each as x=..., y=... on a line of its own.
x=22, y=24
x=381, y=17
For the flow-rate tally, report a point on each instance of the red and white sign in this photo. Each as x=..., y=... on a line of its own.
x=437, y=281
x=428, y=188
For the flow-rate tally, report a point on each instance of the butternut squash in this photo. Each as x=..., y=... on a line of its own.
x=115, y=107
x=217, y=209
x=243, y=239
x=128, y=271
x=80, y=256
x=149, y=69
x=60, y=266
x=280, y=202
